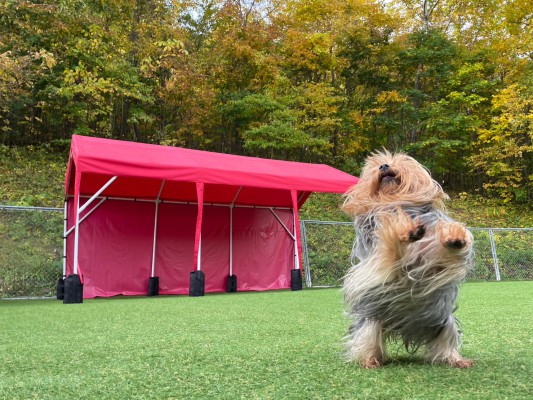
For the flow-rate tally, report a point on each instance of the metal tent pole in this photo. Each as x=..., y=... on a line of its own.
x=231, y=283
x=153, y=281
x=155, y=227
x=95, y=196
x=296, y=273
x=282, y=224
x=231, y=240
x=197, y=283
x=78, y=213
x=87, y=215
x=232, y=205
x=199, y=264
x=65, y=225
x=296, y=255
x=76, y=236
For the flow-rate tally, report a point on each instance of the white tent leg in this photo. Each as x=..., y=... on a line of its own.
x=199, y=254
x=296, y=257
x=155, y=238
x=231, y=240
x=155, y=227
x=87, y=215
x=65, y=224
x=76, y=236
x=231, y=231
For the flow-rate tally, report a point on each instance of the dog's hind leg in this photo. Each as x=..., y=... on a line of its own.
x=365, y=344
x=445, y=347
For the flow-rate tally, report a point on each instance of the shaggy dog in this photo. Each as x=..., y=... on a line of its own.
x=412, y=257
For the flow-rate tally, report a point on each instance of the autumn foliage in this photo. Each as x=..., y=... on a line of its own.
x=450, y=82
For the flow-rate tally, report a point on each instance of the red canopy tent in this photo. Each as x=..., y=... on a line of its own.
x=177, y=221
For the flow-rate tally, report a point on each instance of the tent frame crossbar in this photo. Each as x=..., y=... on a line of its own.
x=102, y=200
x=291, y=234
x=293, y=237
x=65, y=225
x=96, y=195
x=79, y=210
x=192, y=203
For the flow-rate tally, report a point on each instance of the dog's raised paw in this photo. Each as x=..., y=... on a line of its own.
x=455, y=243
x=453, y=235
x=417, y=233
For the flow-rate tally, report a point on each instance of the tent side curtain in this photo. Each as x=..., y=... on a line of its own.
x=116, y=244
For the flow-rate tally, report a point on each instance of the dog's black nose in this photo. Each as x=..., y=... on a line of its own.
x=384, y=167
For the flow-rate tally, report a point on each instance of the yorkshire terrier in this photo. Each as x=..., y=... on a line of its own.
x=412, y=258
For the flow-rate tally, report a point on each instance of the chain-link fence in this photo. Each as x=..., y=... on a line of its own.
x=31, y=250
x=499, y=254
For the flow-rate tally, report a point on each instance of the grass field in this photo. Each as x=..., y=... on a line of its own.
x=270, y=345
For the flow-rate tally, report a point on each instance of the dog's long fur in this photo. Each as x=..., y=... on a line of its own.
x=412, y=257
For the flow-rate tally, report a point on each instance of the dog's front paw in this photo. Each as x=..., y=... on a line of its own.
x=371, y=363
x=410, y=230
x=453, y=236
x=417, y=233
x=461, y=363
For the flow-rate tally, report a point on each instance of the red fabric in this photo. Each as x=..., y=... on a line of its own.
x=263, y=252
x=175, y=247
x=116, y=248
x=142, y=167
x=115, y=242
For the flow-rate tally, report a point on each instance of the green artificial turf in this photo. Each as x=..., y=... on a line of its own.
x=269, y=345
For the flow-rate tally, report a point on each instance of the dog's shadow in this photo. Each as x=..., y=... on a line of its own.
x=406, y=360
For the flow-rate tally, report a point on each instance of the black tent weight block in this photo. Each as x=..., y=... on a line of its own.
x=197, y=285
x=231, y=284
x=153, y=286
x=60, y=292
x=296, y=280
x=73, y=290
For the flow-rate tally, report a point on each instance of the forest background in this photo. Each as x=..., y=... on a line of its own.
x=327, y=81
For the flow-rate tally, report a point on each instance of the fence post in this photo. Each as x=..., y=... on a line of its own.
x=303, y=237
x=494, y=255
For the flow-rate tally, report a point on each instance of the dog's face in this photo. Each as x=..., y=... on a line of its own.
x=392, y=180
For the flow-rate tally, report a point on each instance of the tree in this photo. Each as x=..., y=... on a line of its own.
x=505, y=148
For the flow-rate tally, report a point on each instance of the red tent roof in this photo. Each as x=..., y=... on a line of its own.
x=141, y=169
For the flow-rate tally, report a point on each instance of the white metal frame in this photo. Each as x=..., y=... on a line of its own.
x=293, y=236
x=65, y=224
x=157, y=201
x=77, y=219
x=232, y=206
